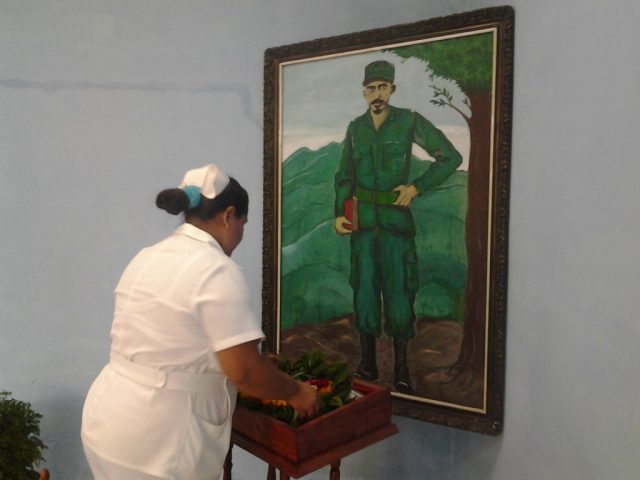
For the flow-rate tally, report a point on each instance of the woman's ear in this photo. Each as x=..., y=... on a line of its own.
x=226, y=216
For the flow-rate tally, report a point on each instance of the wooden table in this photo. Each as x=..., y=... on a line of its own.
x=290, y=469
x=323, y=441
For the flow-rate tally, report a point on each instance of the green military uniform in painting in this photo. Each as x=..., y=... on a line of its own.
x=375, y=163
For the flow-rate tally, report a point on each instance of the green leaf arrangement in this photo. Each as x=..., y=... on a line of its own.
x=20, y=445
x=333, y=381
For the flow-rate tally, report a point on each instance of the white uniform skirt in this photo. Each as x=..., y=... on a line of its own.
x=105, y=470
x=173, y=426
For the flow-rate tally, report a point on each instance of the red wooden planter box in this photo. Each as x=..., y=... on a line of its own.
x=361, y=416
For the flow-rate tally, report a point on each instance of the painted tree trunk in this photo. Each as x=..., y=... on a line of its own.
x=472, y=357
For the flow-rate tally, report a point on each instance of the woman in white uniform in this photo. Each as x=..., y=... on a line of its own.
x=183, y=339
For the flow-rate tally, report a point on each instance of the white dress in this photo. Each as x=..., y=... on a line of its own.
x=162, y=406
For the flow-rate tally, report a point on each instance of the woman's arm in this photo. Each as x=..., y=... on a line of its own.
x=257, y=376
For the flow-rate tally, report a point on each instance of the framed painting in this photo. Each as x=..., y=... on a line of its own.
x=386, y=193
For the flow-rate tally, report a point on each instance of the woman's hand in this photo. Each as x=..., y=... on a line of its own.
x=257, y=376
x=305, y=401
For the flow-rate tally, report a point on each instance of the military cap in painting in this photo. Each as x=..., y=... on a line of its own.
x=380, y=70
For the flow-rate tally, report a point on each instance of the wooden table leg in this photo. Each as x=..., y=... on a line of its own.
x=335, y=471
x=227, y=465
x=271, y=473
x=284, y=476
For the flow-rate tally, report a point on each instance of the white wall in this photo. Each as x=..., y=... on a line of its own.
x=103, y=103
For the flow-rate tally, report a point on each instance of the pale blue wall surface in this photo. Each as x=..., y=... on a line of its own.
x=103, y=103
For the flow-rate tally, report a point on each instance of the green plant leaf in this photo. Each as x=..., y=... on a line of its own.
x=312, y=365
x=20, y=445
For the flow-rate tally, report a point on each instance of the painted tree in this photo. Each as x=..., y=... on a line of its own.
x=468, y=61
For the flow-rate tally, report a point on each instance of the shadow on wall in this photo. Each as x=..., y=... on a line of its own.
x=60, y=427
x=426, y=451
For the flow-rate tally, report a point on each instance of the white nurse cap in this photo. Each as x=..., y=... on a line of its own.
x=210, y=180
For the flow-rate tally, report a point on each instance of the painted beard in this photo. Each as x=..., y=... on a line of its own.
x=378, y=106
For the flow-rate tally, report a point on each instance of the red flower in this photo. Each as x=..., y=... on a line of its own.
x=322, y=385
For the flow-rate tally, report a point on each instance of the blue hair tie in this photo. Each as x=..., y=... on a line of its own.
x=193, y=193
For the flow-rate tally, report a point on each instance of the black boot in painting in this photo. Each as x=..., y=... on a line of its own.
x=402, y=382
x=367, y=369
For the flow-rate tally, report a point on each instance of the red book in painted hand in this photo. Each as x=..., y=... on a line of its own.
x=351, y=214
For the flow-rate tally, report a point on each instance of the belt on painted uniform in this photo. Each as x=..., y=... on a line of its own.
x=373, y=196
x=152, y=377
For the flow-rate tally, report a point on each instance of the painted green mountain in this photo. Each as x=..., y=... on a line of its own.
x=315, y=260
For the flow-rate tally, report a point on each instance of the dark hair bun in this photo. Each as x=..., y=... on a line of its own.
x=173, y=201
